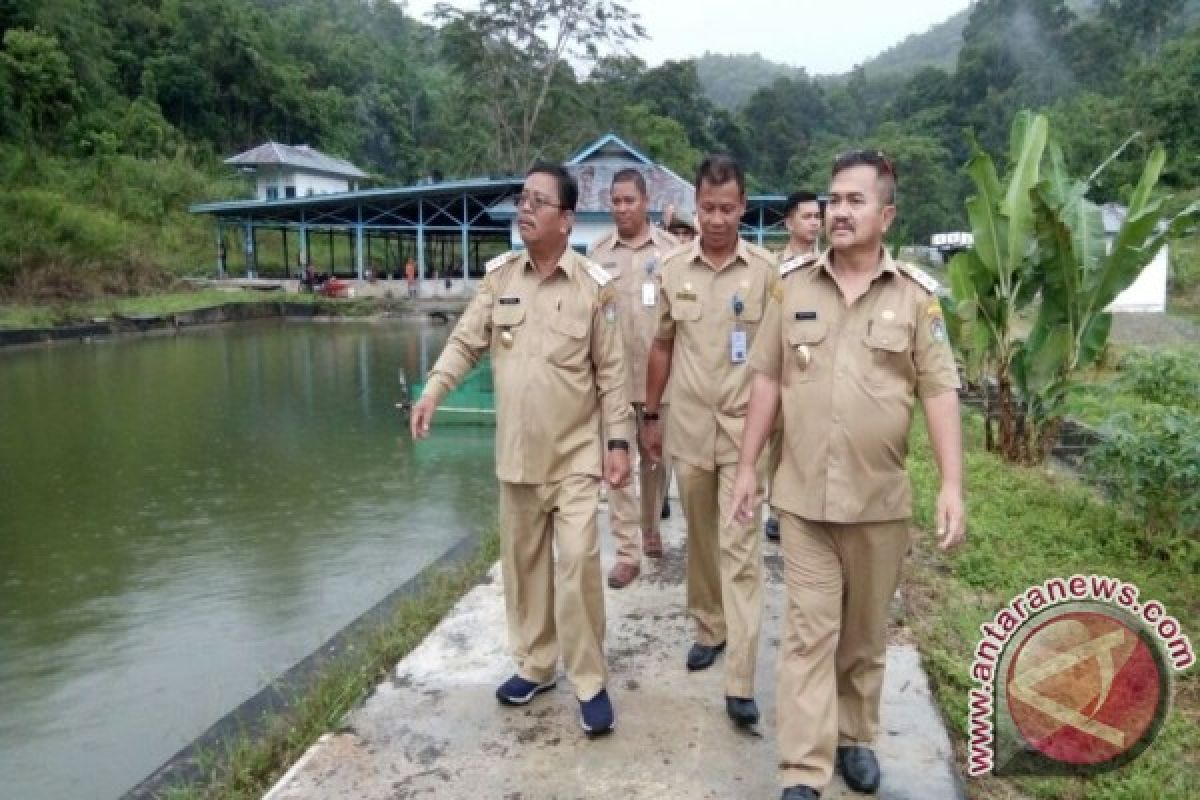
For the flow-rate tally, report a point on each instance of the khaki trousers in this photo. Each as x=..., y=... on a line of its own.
x=840, y=581
x=553, y=592
x=636, y=509
x=774, y=456
x=724, y=571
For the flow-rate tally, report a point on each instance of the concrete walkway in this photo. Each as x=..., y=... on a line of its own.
x=435, y=729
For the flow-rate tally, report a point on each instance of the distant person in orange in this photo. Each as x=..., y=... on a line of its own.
x=410, y=275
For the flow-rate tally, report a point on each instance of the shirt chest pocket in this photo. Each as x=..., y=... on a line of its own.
x=889, y=354
x=508, y=326
x=808, y=350
x=685, y=310
x=567, y=341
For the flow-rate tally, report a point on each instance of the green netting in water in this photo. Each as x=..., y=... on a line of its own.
x=473, y=402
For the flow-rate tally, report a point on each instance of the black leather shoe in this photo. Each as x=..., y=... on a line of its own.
x=702, y=656
x=800, y=792
x=859, y=768
x=742, y=710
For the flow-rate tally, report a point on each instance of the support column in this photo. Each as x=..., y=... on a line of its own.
x=358, y=250
x=466, y=239
x=287, y=263
x=761, y=222
x=251, y=259
x=303, y=244
x=420, y=243
x=220, y=250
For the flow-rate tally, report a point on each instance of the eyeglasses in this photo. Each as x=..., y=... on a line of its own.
x=535, y=201
x=870, y=158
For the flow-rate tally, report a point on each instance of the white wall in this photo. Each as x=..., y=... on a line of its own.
x=1149, y=291
x=280, y=179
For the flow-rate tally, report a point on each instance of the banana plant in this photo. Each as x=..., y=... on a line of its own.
x=1040, y=243
x=995, y=280
x=1079, y=278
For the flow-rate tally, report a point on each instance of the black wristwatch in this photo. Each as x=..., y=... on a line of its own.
x=618, y=444
x=649, y=416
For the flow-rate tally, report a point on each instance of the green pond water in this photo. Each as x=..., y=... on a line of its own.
x=182, y=518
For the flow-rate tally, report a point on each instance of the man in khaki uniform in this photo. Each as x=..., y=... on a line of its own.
x=848, y=345
x=802, y=218
x=632, y=253
x=714, y=292
x=549, y=318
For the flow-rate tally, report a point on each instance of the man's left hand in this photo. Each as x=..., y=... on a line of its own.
x=616, y=468
x=951, y=518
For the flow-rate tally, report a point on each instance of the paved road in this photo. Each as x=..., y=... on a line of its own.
x=434, y=730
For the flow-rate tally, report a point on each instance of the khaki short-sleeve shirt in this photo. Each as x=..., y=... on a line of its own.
x=634, y=267
x=848, y=379
x=558, y=365
x=710, y=389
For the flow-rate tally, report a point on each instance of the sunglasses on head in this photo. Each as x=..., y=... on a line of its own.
x=870, y=158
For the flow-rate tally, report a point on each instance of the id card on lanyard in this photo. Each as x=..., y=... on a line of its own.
x=738, y=346
x=650, y=288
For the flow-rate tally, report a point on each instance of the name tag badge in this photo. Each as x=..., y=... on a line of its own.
x=649, y=294
x=510, y=301
x=686, y=294
x=802, y=315
x=737, y=347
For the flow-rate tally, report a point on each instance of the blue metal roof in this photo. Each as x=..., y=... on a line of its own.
x=397, y=192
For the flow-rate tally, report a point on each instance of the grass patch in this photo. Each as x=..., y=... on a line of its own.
x=1027, y=525
x=248, y=766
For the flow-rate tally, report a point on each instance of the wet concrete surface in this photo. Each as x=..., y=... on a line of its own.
x=435, y=729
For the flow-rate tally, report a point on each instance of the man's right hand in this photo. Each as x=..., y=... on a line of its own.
x=421, y=417
x=745, y=493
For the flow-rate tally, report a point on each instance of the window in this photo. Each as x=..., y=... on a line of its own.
x=289, y=191
x=272, y=193
x=310, y=191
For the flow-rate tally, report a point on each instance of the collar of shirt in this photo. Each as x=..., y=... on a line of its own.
x=886, y=264
x=646, y=238
x=742, y=254
x=566, y=263
x=789, y=253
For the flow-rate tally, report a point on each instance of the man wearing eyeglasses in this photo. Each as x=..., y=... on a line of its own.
x=632, y=254
x=549, y=318
x=711, y=302
x=853, y=340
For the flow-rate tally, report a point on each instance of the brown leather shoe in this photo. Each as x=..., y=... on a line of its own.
x=652, y=544
x=622, y=575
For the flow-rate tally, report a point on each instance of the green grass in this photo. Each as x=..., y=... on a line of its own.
x=45, y=315
x=1026, y=525
x=247, y=767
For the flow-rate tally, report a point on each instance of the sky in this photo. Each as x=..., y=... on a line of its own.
x=823, y=37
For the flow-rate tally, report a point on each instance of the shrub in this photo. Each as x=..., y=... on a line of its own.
x=1149, y=463
x=1165, y=377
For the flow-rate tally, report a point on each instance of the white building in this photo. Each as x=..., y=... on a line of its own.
x=284, y=171
x=1149, y=291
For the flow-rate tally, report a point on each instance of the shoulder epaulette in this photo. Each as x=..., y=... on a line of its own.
x=607, y=239
x=922, y=278
x=500, y=260
x=682, y=247
x=761, y=252
x=798, y=262
x=599, y=274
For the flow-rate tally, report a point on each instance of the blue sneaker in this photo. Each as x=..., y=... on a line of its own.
x=596, y=715
x=772, y=529
x=516, y=691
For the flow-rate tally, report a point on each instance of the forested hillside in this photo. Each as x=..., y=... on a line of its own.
x=114, y=114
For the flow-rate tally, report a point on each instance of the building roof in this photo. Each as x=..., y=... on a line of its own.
x=300, y=156
x=486, y=187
